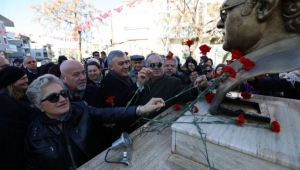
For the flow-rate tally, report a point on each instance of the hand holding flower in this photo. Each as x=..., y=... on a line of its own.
x=144, y=75
x=201, y=81
x=153, y=105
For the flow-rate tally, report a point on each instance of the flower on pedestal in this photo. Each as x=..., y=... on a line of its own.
x=274, y=126
x=176, y=107
x=239, y=120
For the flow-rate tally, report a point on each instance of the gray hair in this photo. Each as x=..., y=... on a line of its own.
x=151, y=54
x=34, y=91
x=92, y=60
x=173, y=59
x=113, y=54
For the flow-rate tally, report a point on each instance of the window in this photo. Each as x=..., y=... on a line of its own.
x=1, y=26
x=38, y=54
x=24, y=41
x=0, y=39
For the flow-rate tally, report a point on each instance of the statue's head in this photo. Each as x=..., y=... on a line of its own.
x=251, y=24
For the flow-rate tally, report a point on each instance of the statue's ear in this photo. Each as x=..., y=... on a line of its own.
x=267, y=8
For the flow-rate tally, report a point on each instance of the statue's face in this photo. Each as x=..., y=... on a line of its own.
x=240, y=32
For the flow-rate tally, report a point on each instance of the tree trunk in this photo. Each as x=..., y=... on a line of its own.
x=79, y=41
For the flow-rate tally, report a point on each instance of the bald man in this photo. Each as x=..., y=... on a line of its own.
x=31, y=70
x=74, y=77
x=3, y=63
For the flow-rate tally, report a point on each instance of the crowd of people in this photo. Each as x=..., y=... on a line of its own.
x=93, y=83
x=62, y=111
x=59, y=116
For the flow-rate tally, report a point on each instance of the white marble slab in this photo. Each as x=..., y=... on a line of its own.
x=260, y=146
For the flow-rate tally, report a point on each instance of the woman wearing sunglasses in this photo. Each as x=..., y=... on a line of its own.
x=64, y=136
x=15, y=115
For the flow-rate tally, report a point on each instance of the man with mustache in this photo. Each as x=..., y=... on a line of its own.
x=171, y=70
x=74, y=77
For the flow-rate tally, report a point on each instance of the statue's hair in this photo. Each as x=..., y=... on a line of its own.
x=291, y=15
x=290, y=12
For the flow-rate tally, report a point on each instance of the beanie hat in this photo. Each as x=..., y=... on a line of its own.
x=18, y=60
x=61, y=59
x=10, y=74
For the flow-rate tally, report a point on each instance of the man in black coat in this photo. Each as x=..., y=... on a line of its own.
x=31, y=70
x=164, y=86
x=74, y=77
x=117, y=83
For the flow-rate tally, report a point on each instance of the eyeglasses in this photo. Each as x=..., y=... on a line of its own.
x=96, y=55
x=54, y=97
x=154, y=65
x=223, y=11
x=29, y=62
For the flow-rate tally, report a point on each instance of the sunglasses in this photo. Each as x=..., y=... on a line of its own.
x=96, y=55
x=223, y=11
x=54, y=97
x=154, y=65
x=29, y=62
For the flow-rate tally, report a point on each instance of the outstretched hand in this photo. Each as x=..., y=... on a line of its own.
x=201, y=81
x=153, y=105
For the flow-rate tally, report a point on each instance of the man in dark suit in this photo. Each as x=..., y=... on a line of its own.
x=165, y=86
x=118, y=83
x=31, y=70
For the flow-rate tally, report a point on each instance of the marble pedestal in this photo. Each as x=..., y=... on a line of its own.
x=242, y=147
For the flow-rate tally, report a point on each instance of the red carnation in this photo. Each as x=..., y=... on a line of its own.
x=229, y=70
x=216, y=75
x=195, y=109
x=176, y=107
x=247, y=63
x=275, y=126
x=170, y=56
x=204, y=49
x=189, y=42
x=246, y=95
x=209, y=97
x=111, y=99
x=236, y=54
x=240, y=119
x=126, y=53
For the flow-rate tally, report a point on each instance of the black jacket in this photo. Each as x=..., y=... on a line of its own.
x=165, y=88
x=31, y=76
x=15, y=115
x=91, y=96
x=277, y=85
x=111, y=86
x=46, y=145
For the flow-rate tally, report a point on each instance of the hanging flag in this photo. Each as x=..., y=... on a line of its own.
x=119, y=9
x=98, y=18
x=105, y=15
x=131, y=3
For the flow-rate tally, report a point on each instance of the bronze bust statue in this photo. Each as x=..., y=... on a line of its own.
x=265, y=31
